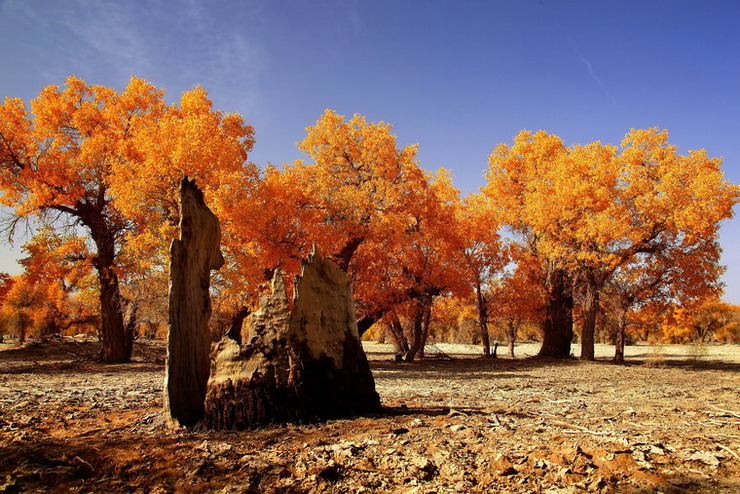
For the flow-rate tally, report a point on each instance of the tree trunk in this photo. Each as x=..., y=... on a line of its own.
x=425, y=327
x=192, y=257
x=116, y=348
x=399, y=338
x=483, y=320
x=366, y=323
x=131, y=322
x=23, y=329
x=590, y=310
x=116, y=343
x=557, y=326
x=303, y=363
x=417, y=334
x=344, y=257
x=620, y=339
x=512, y=330
x=422, y=305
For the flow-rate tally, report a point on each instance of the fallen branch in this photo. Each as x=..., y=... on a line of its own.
x=577, y=428
x=586, y=431
x=721, y=422
x=635, y=424
x=735, y=414
x=727, y=448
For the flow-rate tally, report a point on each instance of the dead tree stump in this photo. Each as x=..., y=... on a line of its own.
x=299, y=363
x=192, y=257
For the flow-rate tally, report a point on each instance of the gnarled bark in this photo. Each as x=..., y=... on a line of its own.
x=557, y=327
x=482, y=319
x=116, y=344
x=590, y=310
x=400, y=341
x=193, y=256
x=621, y=336
x=303, y=363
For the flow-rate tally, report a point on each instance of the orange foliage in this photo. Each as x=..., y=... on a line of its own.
x=587, y=211
x=111, y=162
x=639, y=221
x=50, y=296
x=361, y=200
x=701, y=321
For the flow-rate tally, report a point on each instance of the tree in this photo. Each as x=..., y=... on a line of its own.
x=109, y=161
x=701, y=321
x=358, y=179
x=483, y=254
x=587, y=210
x=514, y=187
x=46, y=298
x=652, y=284
x=517, y=298
x=360, y=199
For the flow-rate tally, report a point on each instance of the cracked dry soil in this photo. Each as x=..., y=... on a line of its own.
x=462, y=425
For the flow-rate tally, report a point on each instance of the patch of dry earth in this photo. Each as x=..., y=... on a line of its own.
x=462, y=425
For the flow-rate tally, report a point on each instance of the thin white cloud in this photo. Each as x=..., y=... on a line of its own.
x=111, y=31
x=176, y=44
x=594, y=77
x=590, y=69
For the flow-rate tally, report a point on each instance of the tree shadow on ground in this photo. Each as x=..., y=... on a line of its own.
x=672, y=361
x=468, y=369
x=79, y=367
x=66, y=354
x=468, y=364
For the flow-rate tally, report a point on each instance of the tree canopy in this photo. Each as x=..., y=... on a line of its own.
x=557, y=233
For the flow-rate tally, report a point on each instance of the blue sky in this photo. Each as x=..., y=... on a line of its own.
x=457, y=77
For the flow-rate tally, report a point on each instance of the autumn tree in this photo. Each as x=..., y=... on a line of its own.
x=513, y=188
x=45, y=299
x=675, y=275
x=584, y=211
x=58, y=267
x=429, y=252
x=109, y=162
x=516, y=298
x=701, y=321
x=360, y=199
x=673, y=205
x=483, y=255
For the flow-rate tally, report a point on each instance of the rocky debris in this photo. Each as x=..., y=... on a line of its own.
x=706, y=457
x=99, y=429
x=302, y=362
x=423, y=468
x=192, y=258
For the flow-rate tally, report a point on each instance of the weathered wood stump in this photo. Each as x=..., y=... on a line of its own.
x=299, y=363
x=193, y=256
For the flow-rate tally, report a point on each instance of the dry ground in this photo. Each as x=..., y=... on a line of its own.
x=664, y=423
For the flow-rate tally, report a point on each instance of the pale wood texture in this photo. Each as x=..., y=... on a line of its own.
x=299, y=363
x=193, y=256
